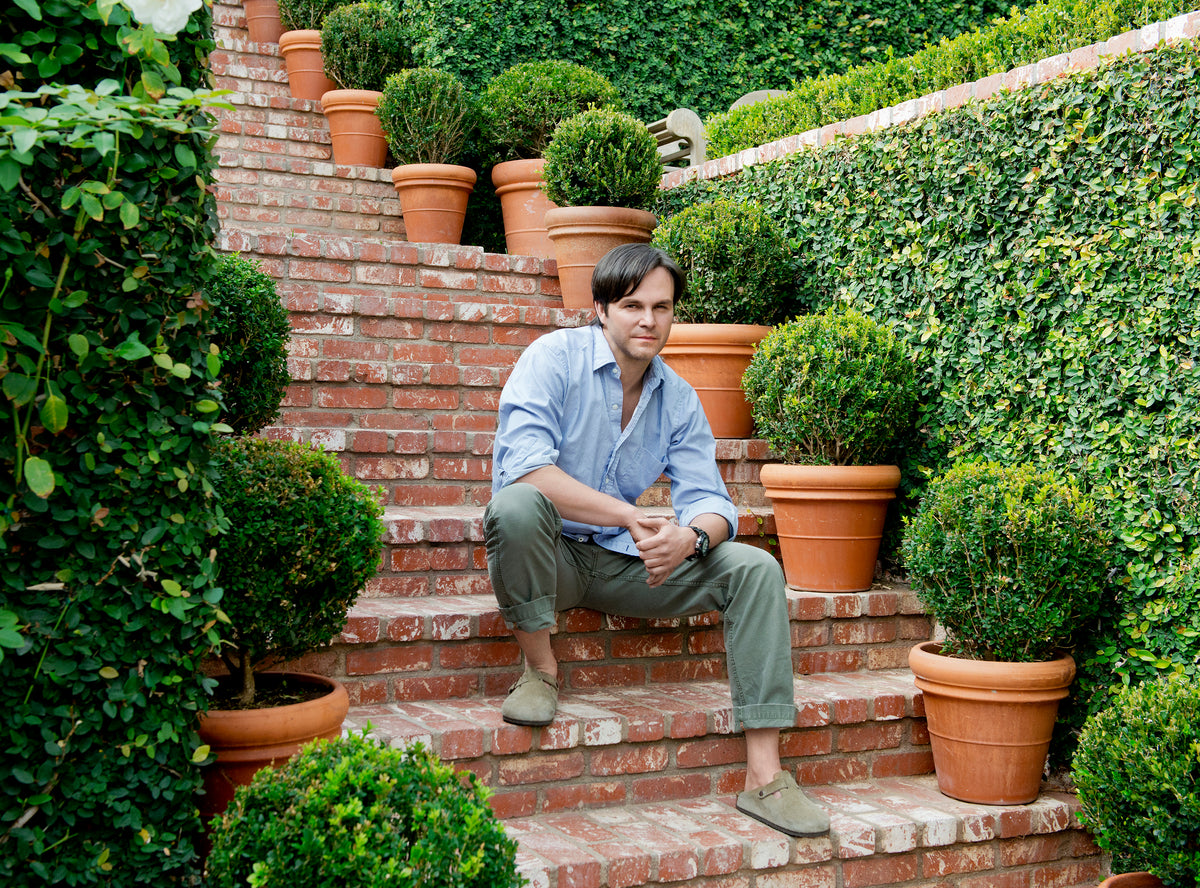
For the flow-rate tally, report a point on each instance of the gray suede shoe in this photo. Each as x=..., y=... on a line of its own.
x=782, y=806
x=532, y=701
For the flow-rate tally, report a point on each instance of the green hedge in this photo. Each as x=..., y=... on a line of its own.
x=106, y=412
x=1041, y=31
x=1040, y=254
x=682, y=53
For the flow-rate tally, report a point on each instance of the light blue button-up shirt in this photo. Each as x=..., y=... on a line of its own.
x=562, y=407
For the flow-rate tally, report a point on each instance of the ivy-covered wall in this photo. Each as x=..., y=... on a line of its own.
x=684, y=53
x=1040, y=252
x=107, y=599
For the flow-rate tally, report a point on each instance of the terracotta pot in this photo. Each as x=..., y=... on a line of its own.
x=262, y=20
x=1132, y=880
x=353, y=127
x=433, y=199
x=581, y=237
x=523, y=203
x=829, y=520
x=989, y=722
x=301, y=52
x=712, y=359
x=248, y=740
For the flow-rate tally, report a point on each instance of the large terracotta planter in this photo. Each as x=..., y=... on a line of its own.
x=581, y=237
x=523, y=204
x=262, y=20
x=829, y=520
x=353, y=127
x=301, y=51
x=989, y=722
x=248, y=740
x=712, y=359
x=1132, y=880
x=433, y=199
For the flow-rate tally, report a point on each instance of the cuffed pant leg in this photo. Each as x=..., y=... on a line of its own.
x=522, y=535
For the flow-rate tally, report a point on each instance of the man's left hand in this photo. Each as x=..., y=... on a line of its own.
x=664, y=547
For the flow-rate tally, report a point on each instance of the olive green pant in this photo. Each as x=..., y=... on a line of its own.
x=536, y=572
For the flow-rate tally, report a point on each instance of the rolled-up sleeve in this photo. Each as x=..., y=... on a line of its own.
x=696, y=484
x=529, y=422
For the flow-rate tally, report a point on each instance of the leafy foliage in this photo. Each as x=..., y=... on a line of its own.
x=736, y=261
x=107, y=511
x=1009, y=560
x=680, y=53
x=831, y=389
x=365, y=43
x=427, y=116
x=602, y=158
x=250, y=326
x=1037, y=254
x=358, y=813
x=1039, y=32
x=303, y=538
x=522, y=105
x=1137, y=770
x=306, y=15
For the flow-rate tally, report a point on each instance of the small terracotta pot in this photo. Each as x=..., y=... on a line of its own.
x=989, y=722
x=829, y=520
x=247, y=740
x=712, y=359
x=581, y=237
x=523, y=203
x=354, y=129
x=1132, y=880
x=262, y=20
x=301, y=52
x=433, y=199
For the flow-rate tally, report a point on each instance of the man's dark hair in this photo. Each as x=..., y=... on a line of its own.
x=623, y=268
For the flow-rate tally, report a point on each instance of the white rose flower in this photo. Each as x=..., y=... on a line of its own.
x=165, y=16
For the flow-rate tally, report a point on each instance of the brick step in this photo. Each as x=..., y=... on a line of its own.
x=670, y=740
x=885, y=832
x=457, y=647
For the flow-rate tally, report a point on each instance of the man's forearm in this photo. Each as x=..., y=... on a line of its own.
x=576, y=501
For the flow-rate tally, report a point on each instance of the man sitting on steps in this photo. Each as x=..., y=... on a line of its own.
x=589, y=419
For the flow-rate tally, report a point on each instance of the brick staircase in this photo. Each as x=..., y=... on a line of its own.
x=398, y=355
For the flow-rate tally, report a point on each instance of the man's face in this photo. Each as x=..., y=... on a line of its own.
x=636, y=326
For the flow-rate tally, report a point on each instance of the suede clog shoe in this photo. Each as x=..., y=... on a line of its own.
x=532, y=701
x=781, y=805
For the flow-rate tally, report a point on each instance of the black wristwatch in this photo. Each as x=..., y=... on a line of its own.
x=701, y=543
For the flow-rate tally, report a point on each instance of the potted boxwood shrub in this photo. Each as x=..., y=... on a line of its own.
x=363, y=44
x=602, y=169
x=1137, y=773
x=521, y=108
x=358, y=814
x=831, y=394
x=739, y=275
x=300, y=46
x=303, y=538
x=1010, y=561
x=428, y=120
x=250, y=327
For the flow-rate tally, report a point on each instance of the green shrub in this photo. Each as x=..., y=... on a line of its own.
x=306, y=15
x=303, y=538
x=1038, y=32
x=355, y=813
x=1137, y=771
x=250, y=326
x=831, y=389
x=736, y=260
x=602, y=158
x=524, y=104
x=427, y=116
x=1009, y=560
x=107, y=514
x=365, y=43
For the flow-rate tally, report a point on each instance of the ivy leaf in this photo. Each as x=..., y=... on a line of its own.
x=39, y=476
x=54, y=414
